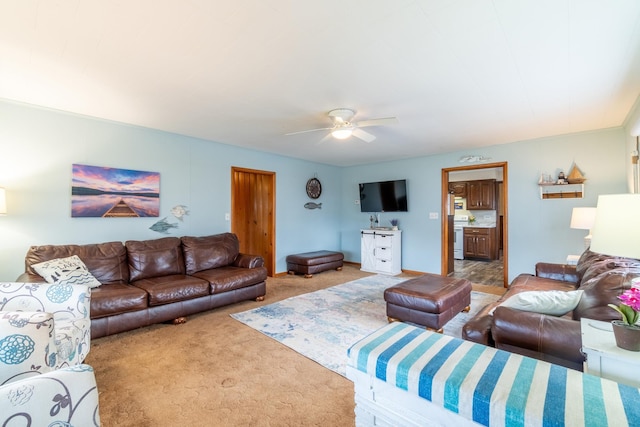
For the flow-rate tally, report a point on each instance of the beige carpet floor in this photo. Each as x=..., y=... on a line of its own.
x=215, y=371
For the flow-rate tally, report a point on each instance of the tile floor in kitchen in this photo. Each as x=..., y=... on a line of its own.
x=482, y=272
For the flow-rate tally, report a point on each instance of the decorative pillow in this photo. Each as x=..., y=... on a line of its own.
x=555, y=303
x=70, y=270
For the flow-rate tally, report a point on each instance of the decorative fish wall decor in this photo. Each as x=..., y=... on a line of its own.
x=312, y=205
x=179, y=211
x=163, y=226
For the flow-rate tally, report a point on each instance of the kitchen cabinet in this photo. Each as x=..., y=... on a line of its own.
x=380, y=251
x=481, y=194
x=480, y=242
x=458, y=189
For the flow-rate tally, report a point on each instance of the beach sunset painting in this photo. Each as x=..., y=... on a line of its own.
x=114, y=193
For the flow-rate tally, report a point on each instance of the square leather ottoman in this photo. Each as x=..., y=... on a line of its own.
x=429, y=300
x=309, y=263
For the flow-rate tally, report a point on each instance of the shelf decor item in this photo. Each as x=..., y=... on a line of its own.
x=575, y=176
x=626, y=332
x=394, y=223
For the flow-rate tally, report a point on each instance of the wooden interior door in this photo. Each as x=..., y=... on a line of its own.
x=253, y=198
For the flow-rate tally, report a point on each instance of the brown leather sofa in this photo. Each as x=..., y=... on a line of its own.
x=152, y=281
x=555, y=339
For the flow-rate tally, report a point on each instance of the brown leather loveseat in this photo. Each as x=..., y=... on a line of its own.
x=152, y=281
x=556, y=339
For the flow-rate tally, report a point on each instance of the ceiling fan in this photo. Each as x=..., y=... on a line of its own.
x=343, y=126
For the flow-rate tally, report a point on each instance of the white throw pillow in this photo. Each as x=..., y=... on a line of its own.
x=70, y=270
x=555, y=303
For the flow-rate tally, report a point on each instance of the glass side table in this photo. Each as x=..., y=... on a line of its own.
x=604, y=358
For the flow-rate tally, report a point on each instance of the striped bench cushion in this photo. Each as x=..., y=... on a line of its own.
x=490, y=386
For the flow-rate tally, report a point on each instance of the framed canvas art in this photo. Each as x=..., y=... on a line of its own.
x=114, y=193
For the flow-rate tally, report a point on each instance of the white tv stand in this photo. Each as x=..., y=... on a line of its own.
x=380, y=251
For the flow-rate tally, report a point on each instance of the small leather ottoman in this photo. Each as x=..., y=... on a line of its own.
x=309, y=263
x=429, y=300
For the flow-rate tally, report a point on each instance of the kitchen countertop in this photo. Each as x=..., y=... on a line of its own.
x=480, y=225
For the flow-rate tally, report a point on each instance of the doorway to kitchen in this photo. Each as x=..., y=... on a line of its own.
x=479, y=254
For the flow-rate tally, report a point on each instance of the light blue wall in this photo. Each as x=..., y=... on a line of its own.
x=39, y=146
x=538, y=229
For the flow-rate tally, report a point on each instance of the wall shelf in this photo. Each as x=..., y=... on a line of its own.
x=561, y=191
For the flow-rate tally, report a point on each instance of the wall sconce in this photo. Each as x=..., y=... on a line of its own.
x=3, y=201
x=583, y=219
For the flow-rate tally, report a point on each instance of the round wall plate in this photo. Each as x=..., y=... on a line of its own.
x=314, y=188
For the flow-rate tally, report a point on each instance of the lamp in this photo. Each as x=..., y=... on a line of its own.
x=3, y=201
x=583, y=219
x=615, y=231
x=343, y=131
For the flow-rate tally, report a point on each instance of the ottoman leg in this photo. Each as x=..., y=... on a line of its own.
x=291, y=272
x=439, y=331
x=392, y=319
x=466, y=309
x=308, y=276
x=339, y=269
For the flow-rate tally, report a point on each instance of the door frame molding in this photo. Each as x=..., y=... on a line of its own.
x=445, y=208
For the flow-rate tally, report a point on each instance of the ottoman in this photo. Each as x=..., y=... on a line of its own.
x=309, y=263
x=429, y=300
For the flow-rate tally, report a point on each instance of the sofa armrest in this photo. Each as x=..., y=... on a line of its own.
x=563, y=272
x=70, y=307
x=550, y=338
x=478, y=330
x=28, y=344
x=66, y=397
x=248, y=261
x=66, y=302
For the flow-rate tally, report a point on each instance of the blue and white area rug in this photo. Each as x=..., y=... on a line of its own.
x=322, y=325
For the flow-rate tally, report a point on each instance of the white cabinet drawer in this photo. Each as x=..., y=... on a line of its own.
x=383, y=253
x=384, y=266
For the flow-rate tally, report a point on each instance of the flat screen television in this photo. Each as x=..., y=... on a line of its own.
x=384, y=196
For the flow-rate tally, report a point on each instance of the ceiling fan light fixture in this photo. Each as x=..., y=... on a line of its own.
x=342, y=132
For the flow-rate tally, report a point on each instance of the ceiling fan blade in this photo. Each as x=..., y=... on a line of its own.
x=325, y=138
x=306, y=131
x=365, y=136
x=378, y=122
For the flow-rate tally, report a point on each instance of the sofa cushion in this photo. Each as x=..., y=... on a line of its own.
x=107, y=262
x=613, y=278
x=204, y=253
x=555, y=303
x=154, y=258
x=172, y=288
x=117, y=298
x=586, y=260
x=69, y=270
x=223, y=279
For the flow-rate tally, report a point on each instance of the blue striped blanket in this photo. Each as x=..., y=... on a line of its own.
x=490, y=386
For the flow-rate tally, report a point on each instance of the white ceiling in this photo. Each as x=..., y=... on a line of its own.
x=459, y=75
